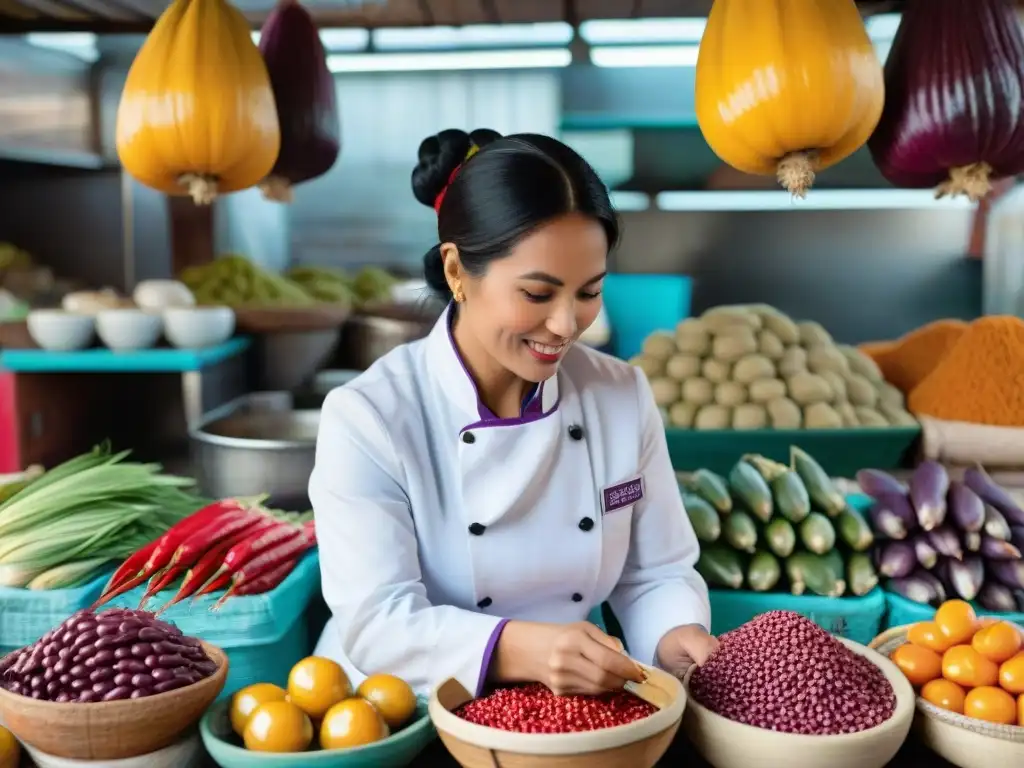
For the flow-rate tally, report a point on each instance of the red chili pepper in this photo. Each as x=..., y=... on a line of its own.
x=209, y=562
x=131, y=566
x=213, y=585
x=260, y=584
x=253, y=545
x=127, y=586
x=190, y=550
x=161, y=554
x=273, y=557
x=160, y=582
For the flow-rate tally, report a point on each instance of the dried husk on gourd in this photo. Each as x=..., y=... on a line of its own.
x=306, y=97
x=197, y=113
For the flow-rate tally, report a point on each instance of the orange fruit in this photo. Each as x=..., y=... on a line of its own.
x=278, y=726
x=245, y=702
x=1011, y=674
x=965, y=666
x=1020, y=710
x=316, y=684
x=928, y=635
x=992, y=704
x=945, y=694
x=918, y=664
x=957, y=621
x=392, y=697
x=998, y=641
x=352, y=723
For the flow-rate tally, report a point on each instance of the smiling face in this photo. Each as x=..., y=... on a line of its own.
x=526, y=310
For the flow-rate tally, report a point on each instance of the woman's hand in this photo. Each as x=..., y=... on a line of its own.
x=684, y=646
x=584, y=660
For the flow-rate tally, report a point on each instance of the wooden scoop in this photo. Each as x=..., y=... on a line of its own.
x=648, y=690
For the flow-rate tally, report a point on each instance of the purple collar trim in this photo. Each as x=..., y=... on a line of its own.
x=533, y=405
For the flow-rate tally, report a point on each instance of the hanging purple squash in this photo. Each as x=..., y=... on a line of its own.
x=307, y=102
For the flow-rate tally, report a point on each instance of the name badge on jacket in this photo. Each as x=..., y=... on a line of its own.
x=622, y=495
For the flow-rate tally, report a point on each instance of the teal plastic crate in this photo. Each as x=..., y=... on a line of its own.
x=841, y=452
x=638, y=305
x=855, y=618
x=262, y=635
x=900, y=611
x=28, y=614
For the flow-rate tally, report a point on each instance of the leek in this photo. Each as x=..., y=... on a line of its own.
x=72, y=574
x=18, y=574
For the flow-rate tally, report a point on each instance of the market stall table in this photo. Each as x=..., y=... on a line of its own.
x=913, y=755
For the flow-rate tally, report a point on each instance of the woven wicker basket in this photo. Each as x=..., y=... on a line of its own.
x=963, y=741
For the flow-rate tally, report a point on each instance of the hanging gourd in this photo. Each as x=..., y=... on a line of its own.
x=954, y=111
x=307, y=103
x=787, y=88
x=197, y=114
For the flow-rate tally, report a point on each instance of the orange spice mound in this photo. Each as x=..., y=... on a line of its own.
x=907, y=361
x=981, y=379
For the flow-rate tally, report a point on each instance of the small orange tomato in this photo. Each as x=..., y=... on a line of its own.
x=928, y=635
x=965, y=666
x=998, y=642
x=992, y=704
x=957, y=621
x=1011, y=674
x=945, y=694
x=918, y=664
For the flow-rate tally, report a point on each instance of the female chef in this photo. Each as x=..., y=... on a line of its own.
x=477, y=492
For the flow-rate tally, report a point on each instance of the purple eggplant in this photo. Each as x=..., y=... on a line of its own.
x=875, y=482
x=940, y=588
x=994, y=549
x=897, y=559
x=1009, y=573
x=966, y=576
x=946, y=541
x=925, y=552
x=914, y=588
x=996, y=597
x=972, y=541
x=978, y=480
x=1017, y=536
x=928, y=487
x=966, y=509
x=995, y=524
x=892, y=516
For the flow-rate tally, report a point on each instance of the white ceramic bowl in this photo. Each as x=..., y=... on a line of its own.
x=60, y=331
x=128, y=329
x=198, y=327
x=728, y=744
x=185, y=753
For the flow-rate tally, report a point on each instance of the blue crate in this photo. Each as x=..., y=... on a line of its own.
x=28, y=614
x=901, y=611
x=638, y=305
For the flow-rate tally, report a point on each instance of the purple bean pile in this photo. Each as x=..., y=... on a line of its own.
x=782, y=672
x=116, y=654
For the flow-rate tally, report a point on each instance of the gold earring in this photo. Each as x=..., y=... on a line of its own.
x=458, y=295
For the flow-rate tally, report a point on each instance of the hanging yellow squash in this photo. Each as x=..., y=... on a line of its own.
x=197, y=115
x=787, y=87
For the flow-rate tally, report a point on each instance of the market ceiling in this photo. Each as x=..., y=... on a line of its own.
x=134, y=16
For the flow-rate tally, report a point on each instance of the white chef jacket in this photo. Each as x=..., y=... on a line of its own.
x=438, y=522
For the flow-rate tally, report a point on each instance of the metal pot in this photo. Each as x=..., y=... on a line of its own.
x=369, y=334
x=257, y=445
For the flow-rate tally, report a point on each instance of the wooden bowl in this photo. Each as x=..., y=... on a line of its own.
x=113, y=730
x=961, y=740
x=639, y=744
x=727, y=744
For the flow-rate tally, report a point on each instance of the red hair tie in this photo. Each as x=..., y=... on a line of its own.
x=440, y=195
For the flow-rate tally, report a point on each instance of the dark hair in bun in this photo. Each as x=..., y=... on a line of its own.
x=509, y=187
